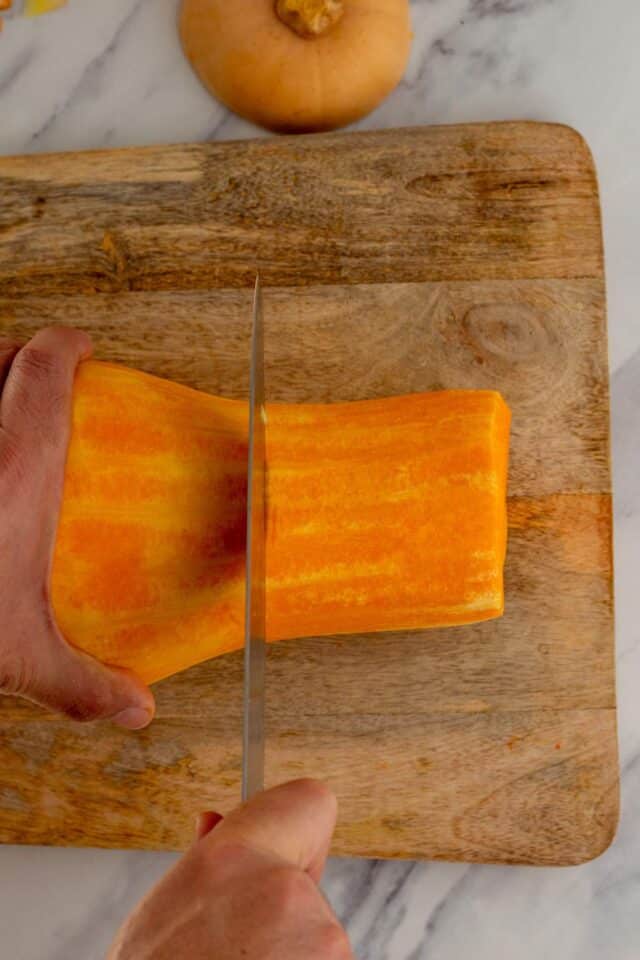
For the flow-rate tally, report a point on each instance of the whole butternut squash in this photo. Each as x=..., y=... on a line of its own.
x=382, y=515
x=296, y=65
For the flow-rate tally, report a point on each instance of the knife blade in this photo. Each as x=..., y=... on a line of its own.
x=254, y=650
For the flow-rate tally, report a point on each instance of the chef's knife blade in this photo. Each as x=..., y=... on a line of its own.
x=254, y=653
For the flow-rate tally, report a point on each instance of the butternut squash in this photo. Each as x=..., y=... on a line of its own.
x=298, y=65
x=382, y=515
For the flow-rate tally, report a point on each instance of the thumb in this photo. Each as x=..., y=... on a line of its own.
x=293, y=822
x=38, y=386
x=71, y=682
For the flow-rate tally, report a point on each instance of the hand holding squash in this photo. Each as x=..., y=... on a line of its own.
x=36, y=384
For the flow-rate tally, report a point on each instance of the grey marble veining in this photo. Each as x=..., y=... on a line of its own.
x=111, y=74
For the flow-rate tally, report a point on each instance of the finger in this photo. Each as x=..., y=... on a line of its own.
x=206, y=822
x=294, y=822
x=71, y=682
x=36, y=400
x=8, y=350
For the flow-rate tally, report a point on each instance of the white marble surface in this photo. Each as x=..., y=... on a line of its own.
x=110, y=74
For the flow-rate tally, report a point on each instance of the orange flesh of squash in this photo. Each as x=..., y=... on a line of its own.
x=382, y=515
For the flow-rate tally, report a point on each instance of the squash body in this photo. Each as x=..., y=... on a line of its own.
x=382, y=515
x=263, y=71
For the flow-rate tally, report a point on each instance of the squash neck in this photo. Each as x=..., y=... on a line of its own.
x=310, y=18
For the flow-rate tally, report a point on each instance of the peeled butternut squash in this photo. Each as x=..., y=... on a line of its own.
x=382, y=515
x=296, y=65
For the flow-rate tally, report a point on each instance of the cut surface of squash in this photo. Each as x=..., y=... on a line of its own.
x=384, y=514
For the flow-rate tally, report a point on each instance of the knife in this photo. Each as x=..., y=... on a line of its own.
x=254, y=649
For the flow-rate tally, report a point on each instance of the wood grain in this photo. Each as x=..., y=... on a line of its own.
x=408, y=260
x=504, y=201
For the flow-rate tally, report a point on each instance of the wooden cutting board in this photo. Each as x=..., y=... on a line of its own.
x=466, y=256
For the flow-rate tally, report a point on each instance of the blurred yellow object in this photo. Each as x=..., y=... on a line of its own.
x=33, y=8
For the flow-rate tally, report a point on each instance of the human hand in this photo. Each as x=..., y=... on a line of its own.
x=246, y=890
x=36, y=384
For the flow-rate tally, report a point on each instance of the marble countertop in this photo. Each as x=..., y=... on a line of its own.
x=111, y=74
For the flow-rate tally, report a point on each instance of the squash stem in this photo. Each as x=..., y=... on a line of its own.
x=310, y=18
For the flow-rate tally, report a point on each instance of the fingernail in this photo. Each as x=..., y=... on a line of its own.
x=206, y=822
x=133, y=718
